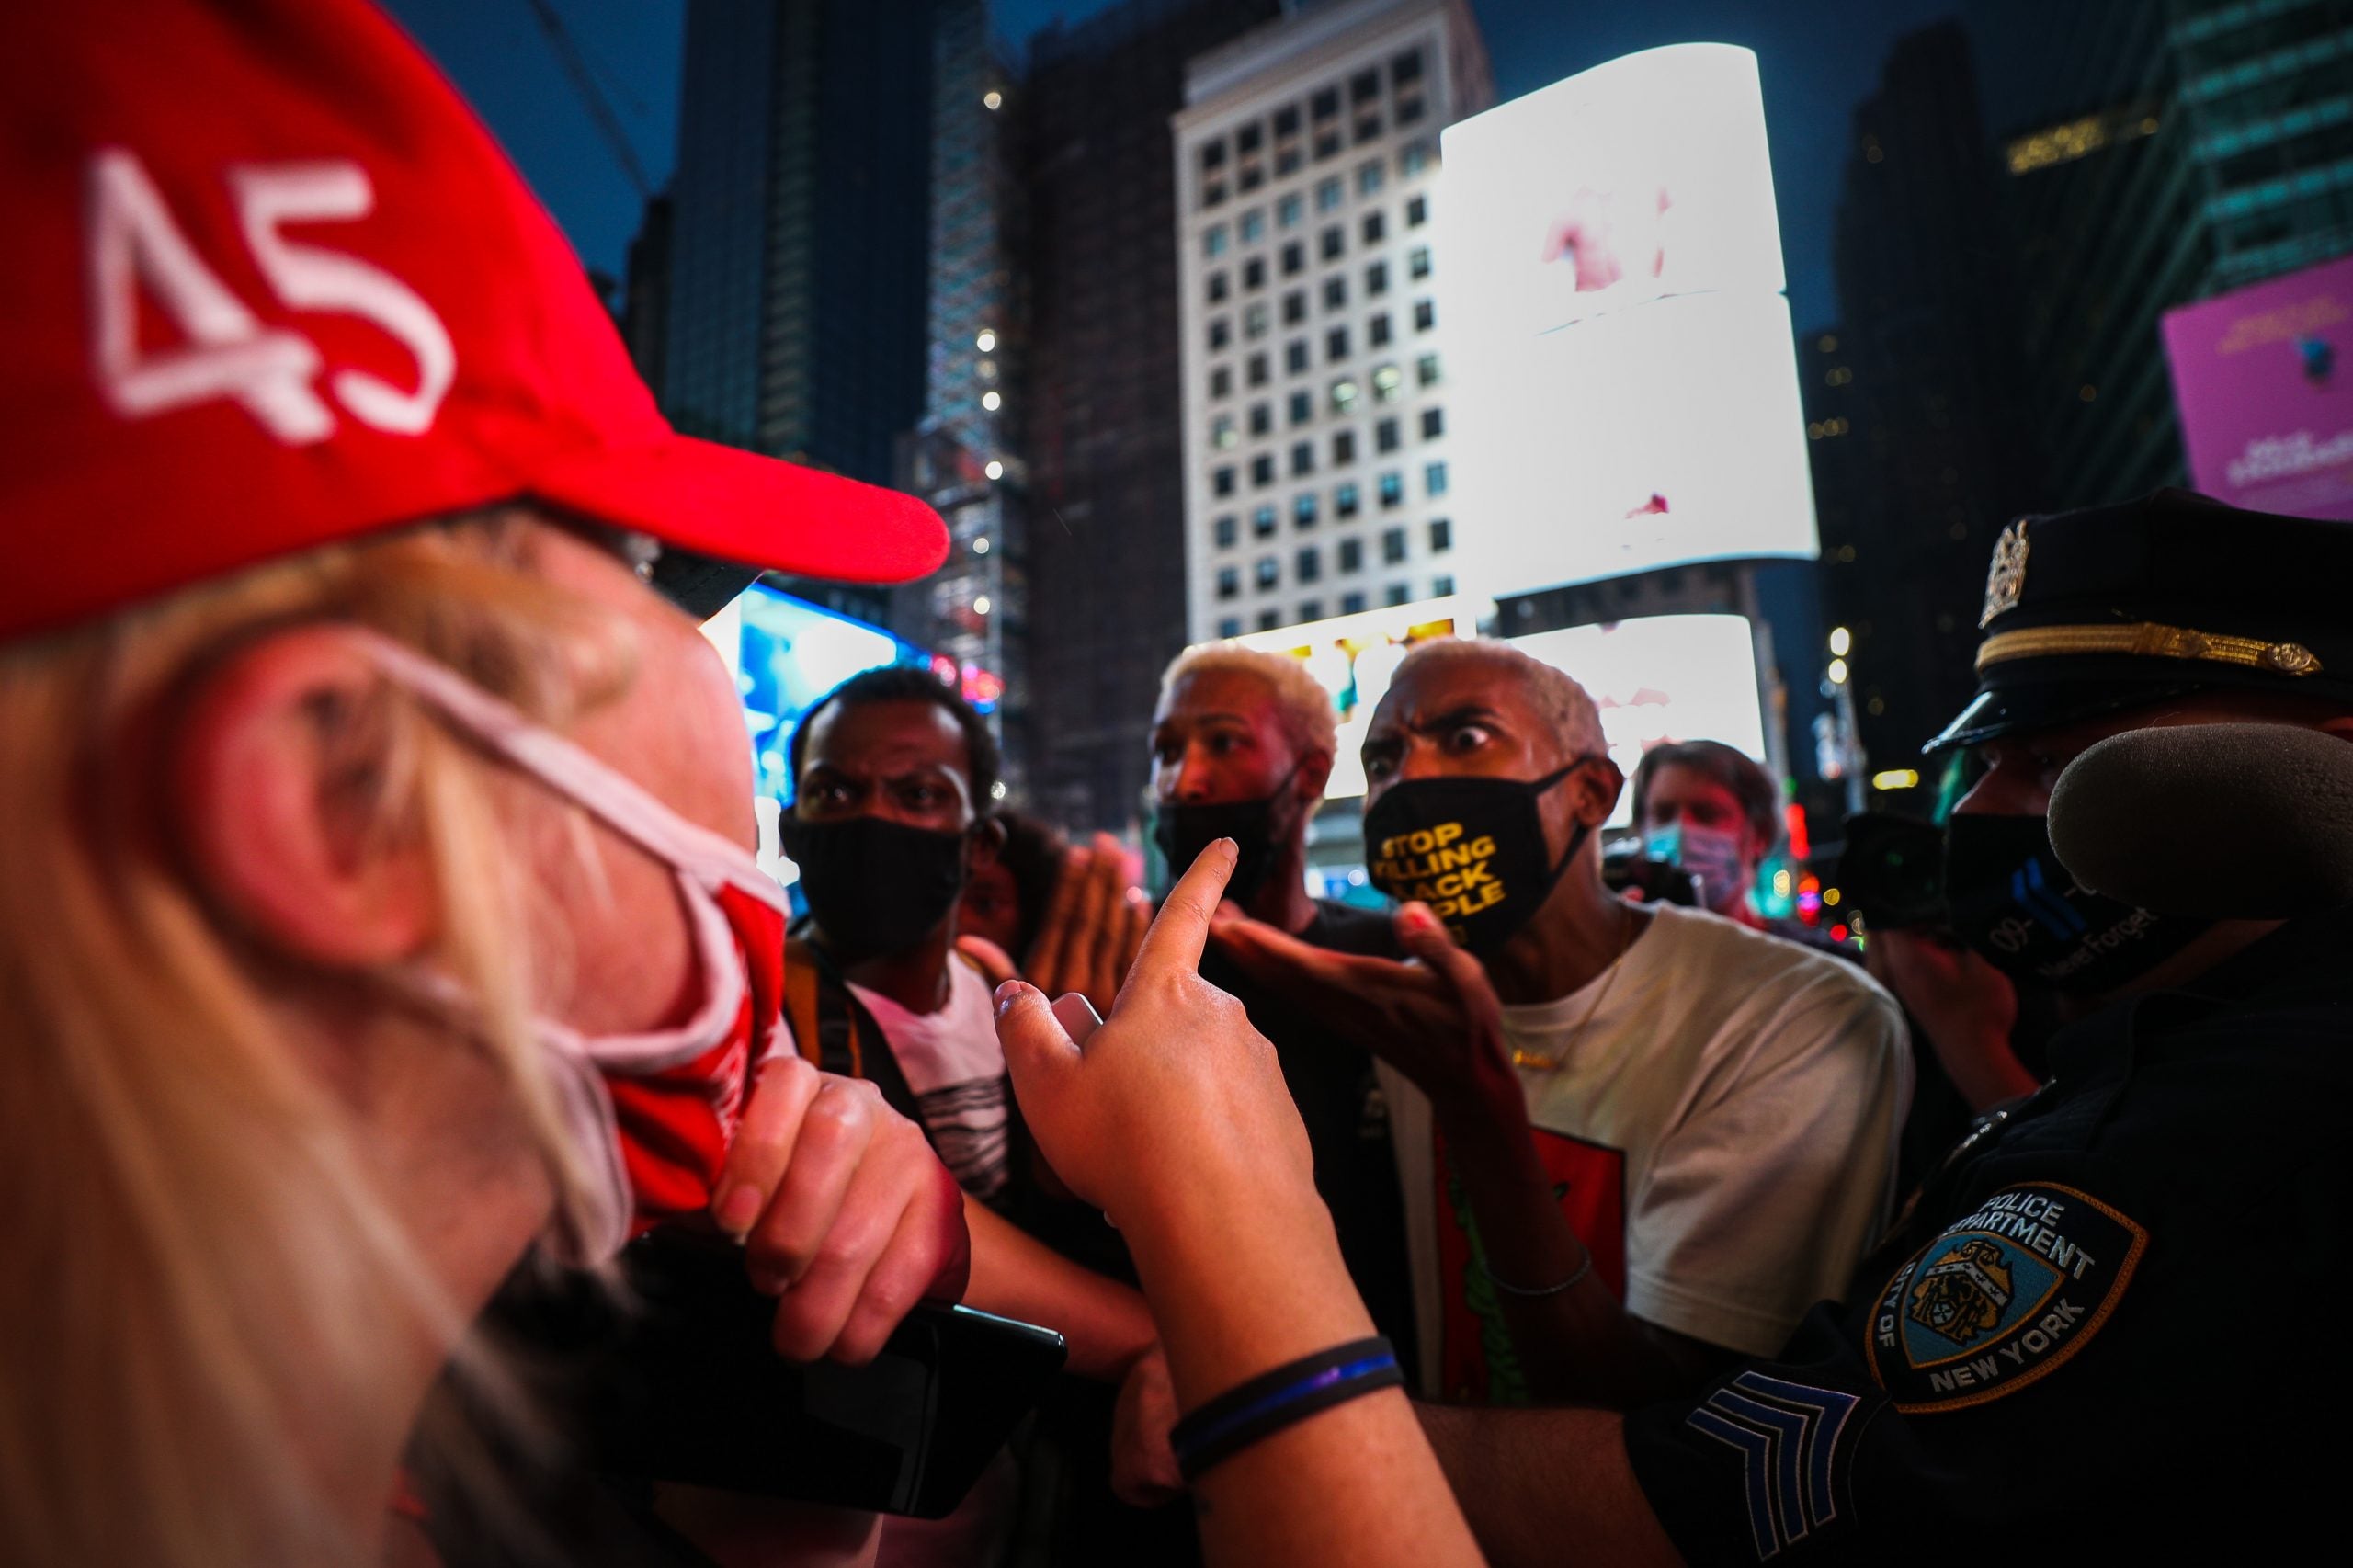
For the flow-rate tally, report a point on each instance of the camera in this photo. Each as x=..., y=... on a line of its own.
x=1625, y=869
x=1893, y=869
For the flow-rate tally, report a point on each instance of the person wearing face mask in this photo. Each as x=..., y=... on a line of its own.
x=1712, y=809
x=1636, y=1141
x=1242, y=747
x=2019, y=928
x=891, y=772
x=1707, y=809
x=2063, y=1344
x=381, y=909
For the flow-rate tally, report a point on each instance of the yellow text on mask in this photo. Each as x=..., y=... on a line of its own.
x=1440, y=867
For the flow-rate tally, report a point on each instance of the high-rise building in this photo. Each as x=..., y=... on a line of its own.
x=1315, y=456
x=2156, y=153
x=645, y=297
x=1921, y=450
x=1102, y=425
x=799, y=232
x=964, y=457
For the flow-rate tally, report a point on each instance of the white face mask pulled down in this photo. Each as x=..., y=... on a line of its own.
x=651, y=1114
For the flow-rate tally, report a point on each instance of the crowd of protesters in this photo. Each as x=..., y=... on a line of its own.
x=388, y=987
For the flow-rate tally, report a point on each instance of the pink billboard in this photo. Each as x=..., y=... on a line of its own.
x=2266, y=394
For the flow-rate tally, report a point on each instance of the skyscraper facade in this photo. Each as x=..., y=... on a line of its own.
x=1102, y=423
x=800, y=228
x=1315, y=454
x=964, y=456
x=2156, y=153
x=1922, y=449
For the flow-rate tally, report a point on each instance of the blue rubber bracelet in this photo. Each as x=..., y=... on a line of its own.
x=1272, y=1400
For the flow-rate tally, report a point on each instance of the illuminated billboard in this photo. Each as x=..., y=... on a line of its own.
x=1664, y=677
x=1353, y=657
x=1640, y=439
x=1625, y=372
x=2266, y=394
x=791, y=653
x=1636, y=180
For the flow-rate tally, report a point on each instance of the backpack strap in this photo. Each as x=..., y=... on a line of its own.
x=805, y=971
x=834, y=1031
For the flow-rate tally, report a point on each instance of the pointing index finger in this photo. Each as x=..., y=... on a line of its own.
x=1182, y=928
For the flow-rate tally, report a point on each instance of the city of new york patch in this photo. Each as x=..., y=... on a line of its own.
x=2002, y=1298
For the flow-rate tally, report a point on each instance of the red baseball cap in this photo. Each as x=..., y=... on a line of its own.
x=269, y=284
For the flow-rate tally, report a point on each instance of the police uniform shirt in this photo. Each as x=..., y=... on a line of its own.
x=2116, y=1320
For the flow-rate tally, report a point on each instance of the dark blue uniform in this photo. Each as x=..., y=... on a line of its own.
x=2112, y=1322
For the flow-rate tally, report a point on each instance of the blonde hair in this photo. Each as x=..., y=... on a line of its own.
x=1566, y=705
x=1308, y=716
x=199, y=1260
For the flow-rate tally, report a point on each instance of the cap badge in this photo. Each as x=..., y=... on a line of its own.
x=2007, y=580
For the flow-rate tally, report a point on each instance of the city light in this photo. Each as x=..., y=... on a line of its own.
x=981, y=545
x=987, y=341
x=1837, y=672
x=1896, y=778
x=1830, y=897
x=995, y=470
x=991, y=100
x=991, y=402
x=1842, y=642
x=981, y=605
x=996, y=790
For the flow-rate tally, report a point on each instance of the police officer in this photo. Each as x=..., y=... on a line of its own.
x=2109, y=1320
x=2080, y=1337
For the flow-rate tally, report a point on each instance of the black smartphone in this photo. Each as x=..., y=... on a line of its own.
x=694, y=1392
x=1893, y=869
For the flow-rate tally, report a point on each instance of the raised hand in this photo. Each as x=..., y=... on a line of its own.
x=1433, y=1017
x=846, y=1216
x=1175, y=1080
x=1171, y=1116
x=1967, y=1008
x=1093, y=927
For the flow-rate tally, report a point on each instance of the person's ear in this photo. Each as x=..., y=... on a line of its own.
x=1314, y=773
x=274, y=775
x=1594, y=788
x=986, y=843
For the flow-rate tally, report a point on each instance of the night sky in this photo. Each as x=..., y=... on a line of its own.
x=1818, y=57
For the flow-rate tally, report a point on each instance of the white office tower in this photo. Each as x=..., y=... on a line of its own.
x=1315, y=380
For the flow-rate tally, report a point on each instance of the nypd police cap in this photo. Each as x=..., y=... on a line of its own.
x=2115, y=608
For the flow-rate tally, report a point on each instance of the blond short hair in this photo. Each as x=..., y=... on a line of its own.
x=1565, y=704
x=1309, y=717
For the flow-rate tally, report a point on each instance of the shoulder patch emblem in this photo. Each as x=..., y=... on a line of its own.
x=2002, y=1298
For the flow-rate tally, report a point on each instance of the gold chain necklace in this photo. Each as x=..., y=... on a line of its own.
x=1529, y=1058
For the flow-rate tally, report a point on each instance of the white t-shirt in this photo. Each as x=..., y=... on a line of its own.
x=954, y=1064
x=1722, y=1133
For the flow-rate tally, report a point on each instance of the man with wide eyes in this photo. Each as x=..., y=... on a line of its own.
x=1646, y=1139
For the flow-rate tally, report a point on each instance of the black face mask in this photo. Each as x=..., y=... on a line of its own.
x=875, y=887
x=1183, y=831
x=1470, y=849
x=2015, y=904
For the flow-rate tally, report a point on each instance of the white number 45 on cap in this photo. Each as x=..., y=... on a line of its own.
x=228, y=353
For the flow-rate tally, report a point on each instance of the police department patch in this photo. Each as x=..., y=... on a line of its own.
x=2004, y=1296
